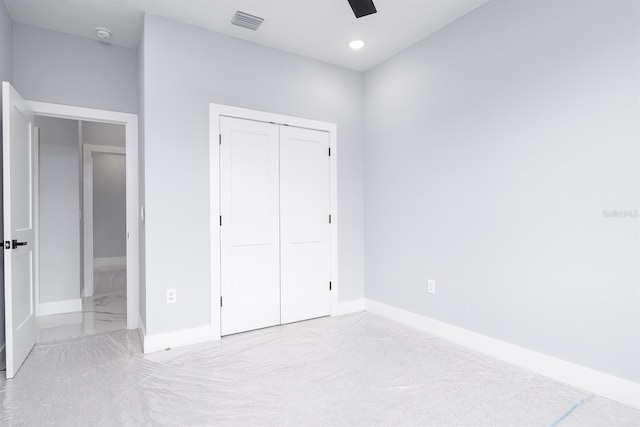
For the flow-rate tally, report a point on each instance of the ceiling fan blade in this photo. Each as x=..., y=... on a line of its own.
x=362, y=7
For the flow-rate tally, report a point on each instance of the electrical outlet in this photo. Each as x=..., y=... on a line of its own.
x=431, y=286
x=171, y=296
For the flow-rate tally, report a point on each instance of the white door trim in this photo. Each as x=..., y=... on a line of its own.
x=217, y=110
x=130, y=121
x=36, y=216
x=87, y=209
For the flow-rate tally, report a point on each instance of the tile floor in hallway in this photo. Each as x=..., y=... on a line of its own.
x=353, y=370
x=102, y=312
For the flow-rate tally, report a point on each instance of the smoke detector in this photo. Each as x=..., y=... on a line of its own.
x=245, y=20
x=103, y=33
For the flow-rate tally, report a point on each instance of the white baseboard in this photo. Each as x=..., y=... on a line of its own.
x=58, y=307
x=110, y=262
x=175, y=339
x=185, y=337
x=346, y=307
x=609, y=386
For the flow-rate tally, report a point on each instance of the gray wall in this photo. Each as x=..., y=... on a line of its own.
x=109, y=205
x=6, y=44
x=186, y=68
x=59, y=68
x=493, y=148
x=95, y=133
x=6, y=70
x=59, y=209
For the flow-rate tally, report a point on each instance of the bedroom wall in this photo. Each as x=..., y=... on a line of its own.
x=185, y=69
x=498, y=153
x=53, y=67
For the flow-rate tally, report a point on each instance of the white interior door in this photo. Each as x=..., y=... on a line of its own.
x=249, y=207
x=18, y=199
x=304, y=224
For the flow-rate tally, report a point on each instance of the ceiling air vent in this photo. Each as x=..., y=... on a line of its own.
x=246, y=20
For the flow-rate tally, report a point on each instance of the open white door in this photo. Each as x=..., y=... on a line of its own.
x=19, y=236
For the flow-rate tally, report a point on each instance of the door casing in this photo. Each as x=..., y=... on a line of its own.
x=130, y=121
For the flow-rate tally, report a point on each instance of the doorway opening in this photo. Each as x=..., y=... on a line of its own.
x=20, y=218
x=81, y=233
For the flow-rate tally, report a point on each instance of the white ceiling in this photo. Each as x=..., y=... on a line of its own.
x=319, y=29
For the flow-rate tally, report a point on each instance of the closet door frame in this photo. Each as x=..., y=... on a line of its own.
x=215, y=112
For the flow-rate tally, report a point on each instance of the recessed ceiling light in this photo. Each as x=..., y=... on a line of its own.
x=356, y=44
x=103, y=33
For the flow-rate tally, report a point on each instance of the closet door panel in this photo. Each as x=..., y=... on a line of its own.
x=304, y=224
x=249, y=206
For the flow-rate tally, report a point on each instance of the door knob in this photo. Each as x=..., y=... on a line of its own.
x=15, y=244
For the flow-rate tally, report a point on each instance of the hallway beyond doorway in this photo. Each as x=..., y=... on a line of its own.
x=102, y=312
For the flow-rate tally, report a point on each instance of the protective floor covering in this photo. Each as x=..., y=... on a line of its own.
x=109, y=278
x=352, y=370
x=100, y=313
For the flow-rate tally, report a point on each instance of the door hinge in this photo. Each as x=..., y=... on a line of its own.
x=220, y=301
x=329, y=151
x=220, y=139
x=220, y=220
x=329, y=219
x=329, y=285
x=7, y=245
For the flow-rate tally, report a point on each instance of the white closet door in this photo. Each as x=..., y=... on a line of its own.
x=249, y=205
x=304, y=224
